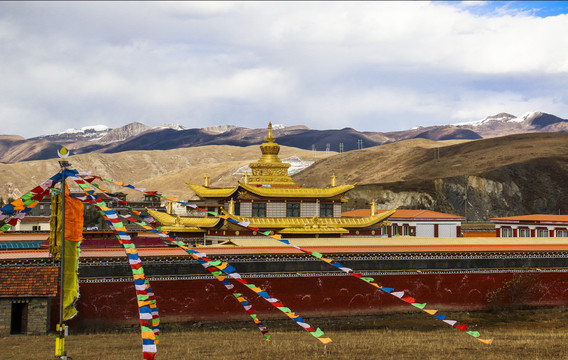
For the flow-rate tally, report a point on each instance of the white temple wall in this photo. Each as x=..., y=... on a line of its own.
x=337, y=210
x=246, y=209
x=309, y=209
x=275, y=209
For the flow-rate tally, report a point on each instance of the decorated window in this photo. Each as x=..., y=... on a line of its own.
x=259, y=209
x=293, y=209
x=562, y=233
x=326, y=210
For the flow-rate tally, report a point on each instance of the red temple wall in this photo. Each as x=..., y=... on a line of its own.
x=206, y=299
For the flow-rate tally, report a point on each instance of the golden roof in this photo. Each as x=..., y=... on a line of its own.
x=314, y=222
x=296, y=192
x=185, y=223
x=207, y=192
x=270, y=192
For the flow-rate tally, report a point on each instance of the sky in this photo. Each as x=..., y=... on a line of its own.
x=372, y=66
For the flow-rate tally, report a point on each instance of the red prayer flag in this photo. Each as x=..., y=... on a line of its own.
x=461, y=327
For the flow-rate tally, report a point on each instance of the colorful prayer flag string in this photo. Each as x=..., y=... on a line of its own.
x=349, y=271
x=147, y=307
x=19, y=208
x=217, y=268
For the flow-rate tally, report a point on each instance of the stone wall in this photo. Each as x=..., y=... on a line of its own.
x=38, y=314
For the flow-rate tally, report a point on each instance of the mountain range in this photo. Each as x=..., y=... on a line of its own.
x=137, y=136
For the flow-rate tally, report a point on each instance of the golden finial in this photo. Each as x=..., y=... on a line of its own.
x=333, y=180
x=269, y=136
x=63, y=152
x=232, y=206
x=206, y=181
x=373, y=207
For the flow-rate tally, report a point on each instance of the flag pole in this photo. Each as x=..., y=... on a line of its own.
x=60, y=353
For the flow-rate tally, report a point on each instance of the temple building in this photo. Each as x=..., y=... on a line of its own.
x=268, y=199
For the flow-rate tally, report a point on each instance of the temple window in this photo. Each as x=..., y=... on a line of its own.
x=259, y=209
x=524, y=232
x=326, y=210
x=541, y=232
x=506, y=232
x=293, y=209
x=237, y=208
x=562, y=233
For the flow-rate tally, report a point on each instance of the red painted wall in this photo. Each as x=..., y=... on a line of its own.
x=194, y=300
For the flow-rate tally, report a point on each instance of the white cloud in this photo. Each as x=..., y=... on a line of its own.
x=324, y=64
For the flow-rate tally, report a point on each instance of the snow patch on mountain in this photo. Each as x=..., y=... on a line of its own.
x=219, y=129
x=501, y=117
x=87, y=129
x=170, y=126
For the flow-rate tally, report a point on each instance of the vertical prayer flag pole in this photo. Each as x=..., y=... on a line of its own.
x=60, y=353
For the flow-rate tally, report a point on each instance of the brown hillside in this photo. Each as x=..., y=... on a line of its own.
x=415, y=159
x=162, y=170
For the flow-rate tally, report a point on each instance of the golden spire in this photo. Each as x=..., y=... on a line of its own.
x=333, y=180
x=269, y=137
x=269, y=169
x=373, y=208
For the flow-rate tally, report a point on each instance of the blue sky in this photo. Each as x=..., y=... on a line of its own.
x=498, y=8
x=372, y=66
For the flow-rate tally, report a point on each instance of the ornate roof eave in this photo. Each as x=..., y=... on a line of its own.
x=305, y=222
x=207, y=192
x=296, y=192
x=317, y=230
x=176, y=222
x=184, y=229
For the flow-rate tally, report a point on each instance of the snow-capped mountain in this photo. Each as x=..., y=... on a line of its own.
x=88, y=133
x=506, y=124
x=137, y=136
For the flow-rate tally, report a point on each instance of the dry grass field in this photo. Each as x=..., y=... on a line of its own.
x=526, y=334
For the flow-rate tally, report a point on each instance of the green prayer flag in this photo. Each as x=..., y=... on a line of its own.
x=420, y=306
x=367, y=279
x=317, y=254
x=317, y=333
x=473, y=333
x=217, y=273
x=284, y=309
x=145, y=329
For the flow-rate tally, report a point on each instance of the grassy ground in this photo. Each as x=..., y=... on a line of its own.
x=527, y=334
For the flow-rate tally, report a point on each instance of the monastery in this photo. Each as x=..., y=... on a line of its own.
x=269, y=200
x=454, y=273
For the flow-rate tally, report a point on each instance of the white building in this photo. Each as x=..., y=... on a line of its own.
x=536, y=225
